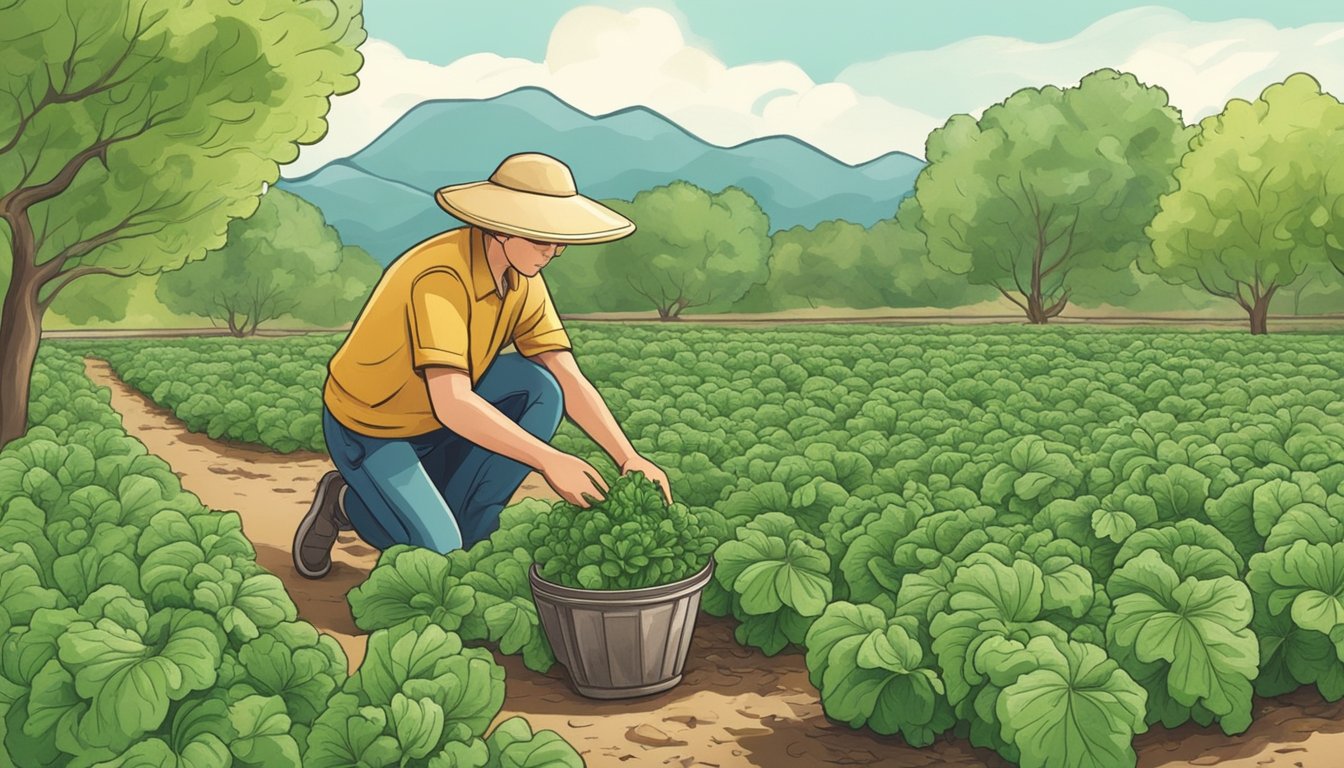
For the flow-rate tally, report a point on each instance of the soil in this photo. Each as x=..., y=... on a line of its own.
x=271, y=492
x=734, y=706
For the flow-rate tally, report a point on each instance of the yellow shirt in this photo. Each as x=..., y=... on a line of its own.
x=435, y=305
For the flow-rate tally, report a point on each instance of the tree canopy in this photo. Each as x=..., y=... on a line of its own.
x=691, y=248
x=1250, y=196
x=282, y=260
x=1045, y=196
x=131, y=132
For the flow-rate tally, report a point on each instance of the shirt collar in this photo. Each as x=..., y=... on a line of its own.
x=481, y=278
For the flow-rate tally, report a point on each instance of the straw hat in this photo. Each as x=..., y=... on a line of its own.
x=533, y=195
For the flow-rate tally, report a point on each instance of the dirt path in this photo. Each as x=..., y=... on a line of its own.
x=734, y=707
x=271, y=492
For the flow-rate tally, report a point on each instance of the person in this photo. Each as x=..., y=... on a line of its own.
x=431, y=429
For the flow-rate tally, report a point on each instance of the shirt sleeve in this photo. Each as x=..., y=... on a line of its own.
x=438, y=315
x=539, y=329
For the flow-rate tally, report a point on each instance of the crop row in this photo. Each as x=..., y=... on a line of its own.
x=136, y=628
x=973, y=532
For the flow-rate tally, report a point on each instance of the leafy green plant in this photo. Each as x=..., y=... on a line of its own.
x=777, y=580
x=629, y=540
x=907, y=464
x=136, y=628
x=871, y=670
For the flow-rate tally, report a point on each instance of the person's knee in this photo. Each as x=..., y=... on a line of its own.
x=540, y=384
x=546, y=388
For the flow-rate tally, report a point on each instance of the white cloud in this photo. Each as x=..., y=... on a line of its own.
x=600, y=60
x=1200, y=64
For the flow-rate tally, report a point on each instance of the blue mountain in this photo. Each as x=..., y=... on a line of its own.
x=381, y=198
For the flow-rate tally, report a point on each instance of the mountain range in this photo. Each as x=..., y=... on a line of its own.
x=381, y=197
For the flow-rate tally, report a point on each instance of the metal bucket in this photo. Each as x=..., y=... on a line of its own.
x=623, y=642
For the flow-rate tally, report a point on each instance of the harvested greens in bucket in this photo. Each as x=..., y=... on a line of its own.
x=629, y=540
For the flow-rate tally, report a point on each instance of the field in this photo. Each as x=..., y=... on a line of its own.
x=948, y=538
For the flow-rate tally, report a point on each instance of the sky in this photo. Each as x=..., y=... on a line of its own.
x=855, y=78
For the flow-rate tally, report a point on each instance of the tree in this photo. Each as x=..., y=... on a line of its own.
x=832, y=264
x=842, y=264
x=132, y=131
x=915, y=280
x=1324, y=228
x=282, y=260
x=1319, y=291
x=692, y=248
x=1045, y=196
x=1249, y=194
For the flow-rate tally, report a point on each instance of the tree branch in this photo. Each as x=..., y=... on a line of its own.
x=1211, y=289
x=70, y=277
x=640, y=291
x=1068, y=247
x=1011, y=298
x=1243, y=302
x=1054, y=309
x=101, y=84
x=51, y=268
x=21, y=198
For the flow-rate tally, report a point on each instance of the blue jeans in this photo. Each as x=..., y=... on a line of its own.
x=439, y=490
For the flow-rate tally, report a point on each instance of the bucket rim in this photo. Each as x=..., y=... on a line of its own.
x=655, y=594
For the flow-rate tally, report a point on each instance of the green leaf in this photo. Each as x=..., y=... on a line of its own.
x=1113, y=524
x=1306, y=577
x=839, y=621
x=130, y=679
x=346, y=735
x=417, y=724
x=512, y=624
x=459, y=754
x=263, y=733
x=1199, y=628
x=511, y=731
x=422, y=660
x=293, y=661
x=800, y=580
x=418, y=583
x=1079, y=709
x=546, y=749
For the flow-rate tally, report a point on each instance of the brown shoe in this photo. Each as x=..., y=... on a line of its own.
x=318, y=529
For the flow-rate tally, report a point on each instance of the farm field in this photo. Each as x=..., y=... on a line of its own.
x=1005, y=518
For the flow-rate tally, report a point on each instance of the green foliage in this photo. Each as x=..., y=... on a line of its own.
x=1078, y=706
x=1068, y=517
x=871, y=669
x=136, y=628
x=629, y=540
x=693, y=248
x=273, y=398
x=842, y=264
x=513, y=745
x=123, y=84
x=777, y=581
x=1045, y=196
x=282, y=260
x=1186, y=640
x=1247, y=219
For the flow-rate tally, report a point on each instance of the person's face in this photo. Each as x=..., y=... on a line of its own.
x=529, y=256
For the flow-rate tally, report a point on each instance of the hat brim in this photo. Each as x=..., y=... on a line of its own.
x=573, y=219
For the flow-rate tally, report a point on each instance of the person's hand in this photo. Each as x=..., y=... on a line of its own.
x=573, y=478
x=651, y=471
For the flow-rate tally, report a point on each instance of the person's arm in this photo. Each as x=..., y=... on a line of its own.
x=586, y=408
x=471, y=416
x=437, y=315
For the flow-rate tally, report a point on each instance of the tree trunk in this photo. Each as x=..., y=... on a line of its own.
x=1260, y=314
x=20, y=332
x=1036, y=310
